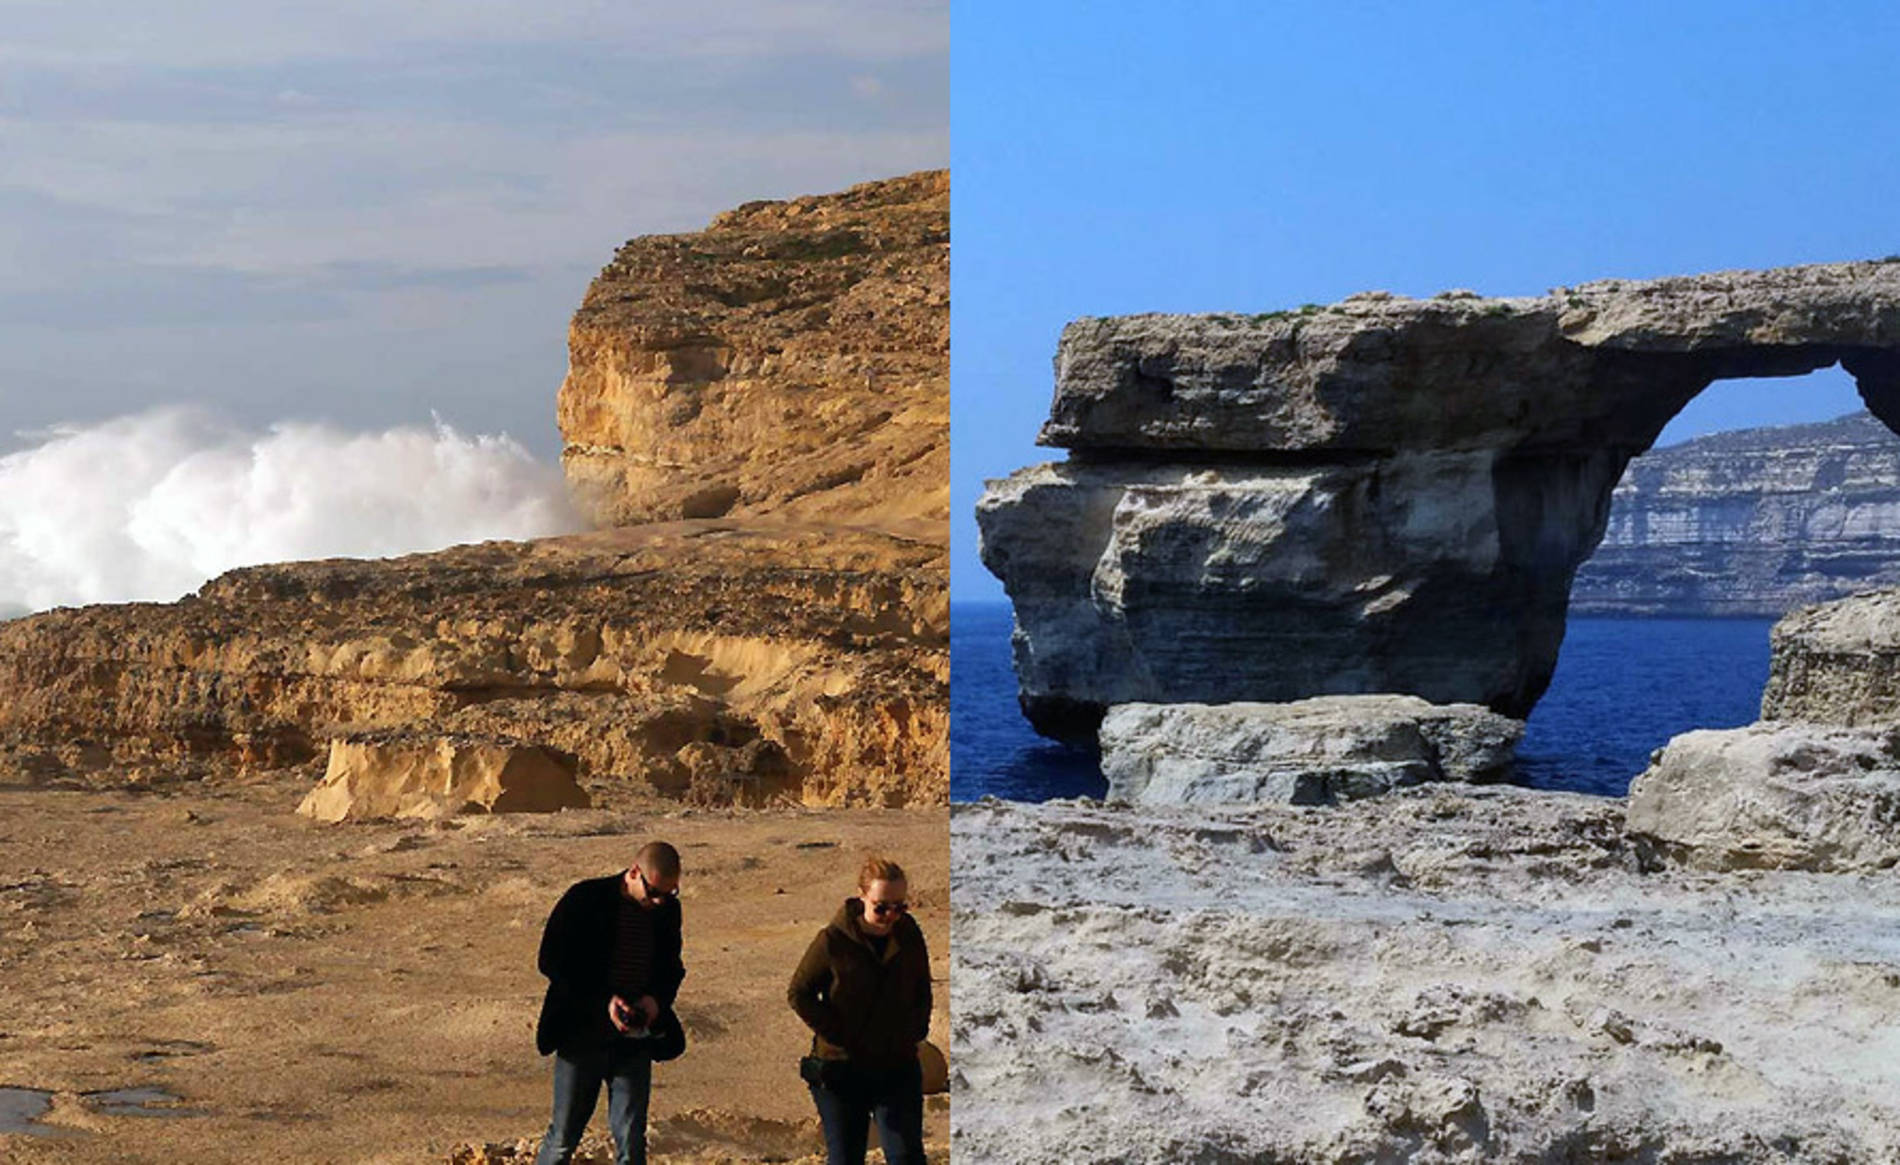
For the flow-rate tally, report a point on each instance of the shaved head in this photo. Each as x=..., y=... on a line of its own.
x=658, y=859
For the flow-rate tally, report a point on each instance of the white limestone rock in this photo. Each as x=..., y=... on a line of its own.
x=1307, y=752
x=1518, y=985
x=1774, y=795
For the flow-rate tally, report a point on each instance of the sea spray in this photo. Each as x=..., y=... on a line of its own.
x=150, y=506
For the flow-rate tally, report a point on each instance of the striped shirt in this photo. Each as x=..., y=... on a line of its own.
x=633, y=952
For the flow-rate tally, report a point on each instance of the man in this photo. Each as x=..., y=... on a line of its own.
x=611, y=954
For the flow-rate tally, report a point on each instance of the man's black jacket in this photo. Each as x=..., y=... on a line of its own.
x=577, y=956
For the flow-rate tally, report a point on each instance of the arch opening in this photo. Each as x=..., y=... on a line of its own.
x=1759, y=496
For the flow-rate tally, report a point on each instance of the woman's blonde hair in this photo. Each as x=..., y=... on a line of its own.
x=877, y=869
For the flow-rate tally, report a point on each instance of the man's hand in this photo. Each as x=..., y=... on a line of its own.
x=649, y=1007
x=621, y=1013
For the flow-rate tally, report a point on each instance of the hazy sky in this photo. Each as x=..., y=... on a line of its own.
x=363, y=212
x=1238, y=156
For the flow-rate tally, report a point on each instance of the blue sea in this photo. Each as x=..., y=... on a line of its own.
x=1623, y=687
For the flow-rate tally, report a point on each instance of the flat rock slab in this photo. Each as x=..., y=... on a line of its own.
x=1775, y=795
x=1377, y=372
x=432, y=777
x=1306, y=752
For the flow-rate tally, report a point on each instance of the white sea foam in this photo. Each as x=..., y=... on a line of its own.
x=152, y=505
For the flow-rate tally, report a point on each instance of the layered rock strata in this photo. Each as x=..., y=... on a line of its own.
x=698, y=660
x=1750, y=523
x=1383, y=495
x=791, y=359
x=1308, y=752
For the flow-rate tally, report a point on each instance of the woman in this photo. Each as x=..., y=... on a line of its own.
x=863, y=988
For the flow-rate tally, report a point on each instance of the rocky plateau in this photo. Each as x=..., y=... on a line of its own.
x=1446, y=973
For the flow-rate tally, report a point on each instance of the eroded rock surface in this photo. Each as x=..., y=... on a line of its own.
x=793, y=358
x=431, y=776
x=1385, y=494
x=1443, y=974
x=707, y=661
x=1815, y=784
x=1774, y=795
x=1837, y=663
x=1308, y=752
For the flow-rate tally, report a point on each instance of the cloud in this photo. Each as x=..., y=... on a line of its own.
x=148, y=296
x=554, y=89
x=379, y=191
x=365, y=211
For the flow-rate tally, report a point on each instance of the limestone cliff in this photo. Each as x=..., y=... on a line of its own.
x=1753, y=523
x=792, y=358
x=794, y=649
x=1383, y=495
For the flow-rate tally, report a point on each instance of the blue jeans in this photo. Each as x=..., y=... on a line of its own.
x=893, y=1098
x=628, y=1075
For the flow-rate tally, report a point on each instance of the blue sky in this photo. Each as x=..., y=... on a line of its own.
x=1122, y=157
x=365, y=212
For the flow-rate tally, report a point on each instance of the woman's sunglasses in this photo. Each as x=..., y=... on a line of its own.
x=882, y=908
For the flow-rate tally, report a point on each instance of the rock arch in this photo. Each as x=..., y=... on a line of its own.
x=1381, y=495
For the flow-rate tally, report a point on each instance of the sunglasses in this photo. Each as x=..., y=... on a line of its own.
x=882, y=908
x=657, y=895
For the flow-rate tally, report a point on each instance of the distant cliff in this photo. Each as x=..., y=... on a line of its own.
x=1754, y=522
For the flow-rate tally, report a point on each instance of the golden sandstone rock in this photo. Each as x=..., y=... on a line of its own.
x=795, y=649
x=437, y=776
x=790, y=359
